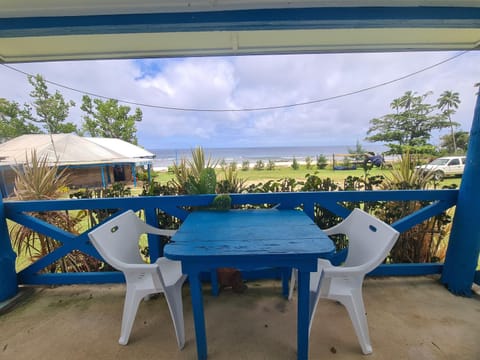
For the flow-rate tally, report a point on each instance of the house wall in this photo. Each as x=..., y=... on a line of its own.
x=92, y=176
x=85, y=177
x=7, y=181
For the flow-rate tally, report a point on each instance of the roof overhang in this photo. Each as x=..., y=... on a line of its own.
x=112, y=29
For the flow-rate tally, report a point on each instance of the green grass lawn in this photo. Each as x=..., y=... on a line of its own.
x=281, y=172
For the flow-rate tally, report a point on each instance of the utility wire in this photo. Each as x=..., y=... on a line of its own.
x=252, y=109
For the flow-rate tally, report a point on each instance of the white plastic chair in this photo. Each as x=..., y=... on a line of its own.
x=369, y=242
x=117, y=242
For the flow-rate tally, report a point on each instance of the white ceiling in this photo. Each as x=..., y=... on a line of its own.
x=32, y=30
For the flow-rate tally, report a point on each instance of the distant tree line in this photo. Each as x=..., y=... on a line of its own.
x=47, y=113
x=409, y=127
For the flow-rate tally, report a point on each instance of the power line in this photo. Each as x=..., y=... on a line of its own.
x=350, y=93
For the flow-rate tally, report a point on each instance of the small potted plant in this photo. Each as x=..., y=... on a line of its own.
x=222, y=202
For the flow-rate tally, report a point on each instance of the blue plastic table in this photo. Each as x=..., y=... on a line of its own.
x=249, y=239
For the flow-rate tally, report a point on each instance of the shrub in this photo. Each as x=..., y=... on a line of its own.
x=321, y=161
x=270, y=165
x=222, y=202
x=295, y=165
x=308, y=162
x=259, y=165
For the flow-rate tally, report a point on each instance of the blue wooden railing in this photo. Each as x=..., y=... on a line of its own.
x=18, y=211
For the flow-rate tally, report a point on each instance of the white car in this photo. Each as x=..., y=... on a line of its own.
x=445, y=166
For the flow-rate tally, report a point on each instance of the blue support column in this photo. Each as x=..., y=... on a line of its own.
x=104, y=184
x=154, y=245
x=8, y=274
x=134, y=175
x=464, y=244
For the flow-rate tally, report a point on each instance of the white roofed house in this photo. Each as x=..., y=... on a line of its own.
x=91, y=162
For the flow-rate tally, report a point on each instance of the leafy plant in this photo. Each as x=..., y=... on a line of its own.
x=96, y=216
x=231, y=183
x=195, y=176
x=204, y=183
x=422, y=242
x=282, y=185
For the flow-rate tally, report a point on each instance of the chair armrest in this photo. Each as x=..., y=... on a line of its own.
x=153, y=230
x=140, y=267
x=339, y=271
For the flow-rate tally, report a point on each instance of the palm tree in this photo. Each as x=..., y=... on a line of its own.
x=447, y=102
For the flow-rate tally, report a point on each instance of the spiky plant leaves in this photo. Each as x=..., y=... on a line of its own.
x=39, y=180
x=423, y=242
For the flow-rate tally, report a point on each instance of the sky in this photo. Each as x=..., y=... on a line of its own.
x=252, y=82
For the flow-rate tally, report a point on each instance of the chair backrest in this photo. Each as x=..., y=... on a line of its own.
x=117, y=240
x=369, y=239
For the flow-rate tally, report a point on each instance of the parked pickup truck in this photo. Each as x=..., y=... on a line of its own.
x=445, y=166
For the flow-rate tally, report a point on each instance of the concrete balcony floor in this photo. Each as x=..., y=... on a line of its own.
x=409, y=318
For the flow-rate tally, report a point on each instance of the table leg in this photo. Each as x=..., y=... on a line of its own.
x=198, y=315
x=286, y=275
x=303, y=314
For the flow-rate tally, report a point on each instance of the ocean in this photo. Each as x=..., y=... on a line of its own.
x=166, y=157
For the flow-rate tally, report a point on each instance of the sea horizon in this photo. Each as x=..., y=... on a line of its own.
x=167, y=157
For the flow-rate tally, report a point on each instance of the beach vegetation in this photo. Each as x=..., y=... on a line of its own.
x=295, y=165
x=245, y=165
x=322, y=161
x=308, y=162
x=358, y=152
x=259, y=165
x=270, y=165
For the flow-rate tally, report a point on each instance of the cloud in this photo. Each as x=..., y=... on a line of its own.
x=257, y=82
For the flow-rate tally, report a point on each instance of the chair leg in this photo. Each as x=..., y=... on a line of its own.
x=130, y=307
x=173, y=295
x=356, y=310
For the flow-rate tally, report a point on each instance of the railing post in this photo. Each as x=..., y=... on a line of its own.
x=464, y=244
x=8, y=274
